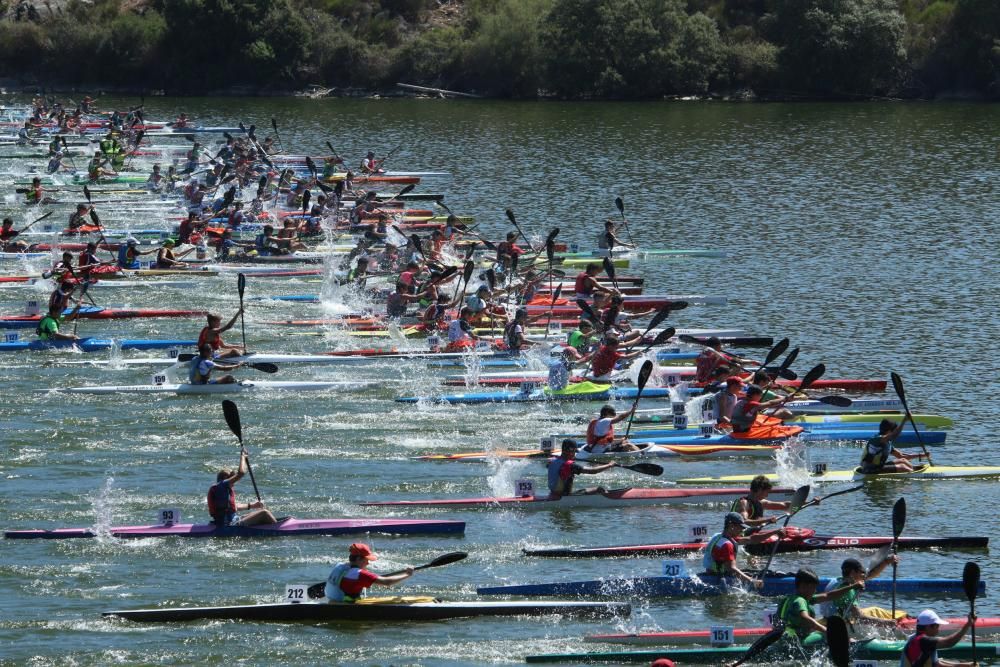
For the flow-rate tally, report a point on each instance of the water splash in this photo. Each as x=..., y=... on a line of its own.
x=506, y=473
x=791, y=463
x=103, y=504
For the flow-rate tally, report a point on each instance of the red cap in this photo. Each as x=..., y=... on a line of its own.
x=663, y=662
x=361, y=549
x=734, y=380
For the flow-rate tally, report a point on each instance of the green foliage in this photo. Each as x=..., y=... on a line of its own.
x=752, y=64
x=432, y=58
x=504, y=55
x=840, y=47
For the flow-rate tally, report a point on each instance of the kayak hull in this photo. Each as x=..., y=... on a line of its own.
x=925, y=472
x=289, y=527
x=417, y=611
x=616, y=498
x=186, y=389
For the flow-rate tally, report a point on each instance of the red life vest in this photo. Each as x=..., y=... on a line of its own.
x=592, y=438
x=913, y=654
x=204, y=337
x=582, y=288
x=221, y=498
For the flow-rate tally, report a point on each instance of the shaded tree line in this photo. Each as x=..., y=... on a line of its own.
x=617, y=49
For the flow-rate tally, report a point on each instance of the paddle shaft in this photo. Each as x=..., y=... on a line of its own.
x=798, y=500
x=241, y=284
x=897, y=383
x=644, y=373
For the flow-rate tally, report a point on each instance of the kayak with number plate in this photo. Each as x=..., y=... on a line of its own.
x=375, y=609
x=817, y=421
x=231, y=388
x=875, y=649
x=581, y=391
x=96, y=313
x=647, y=451
x=708, y=584
x=615, y=498
x=286, y=527
x=94, y=344
x=855, y=475
x=796, y=540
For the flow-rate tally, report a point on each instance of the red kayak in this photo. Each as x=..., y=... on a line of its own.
x=398, y=180
x=630, y=305
x=514, y=380
x=798, y=539
x=109, y=314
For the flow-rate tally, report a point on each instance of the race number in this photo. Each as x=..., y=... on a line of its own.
x=673, y=379
x=168, y=516
x=296, y=593
x=674, y=568
x=555, y=328
x=721, y=635
x=159, y=379
x=31, y=307
x=482, y=346
x=819, y=468
x=698, y=532
x=524, y=488
x=434, y=343
x=547, y=443
x=11, y=337
x=678, y=408
x=528, y=387
x=145, y=264
x=680, y=421
x=173, y=353
x=706, y=430
x=574, y=247
x=47, y=227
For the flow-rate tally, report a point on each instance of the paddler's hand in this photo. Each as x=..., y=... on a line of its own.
x=891, y=559
x=255, y=505
x=408, y=571
x=858, y=586
x=758, y=584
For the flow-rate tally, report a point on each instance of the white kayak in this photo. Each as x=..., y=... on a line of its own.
x=233, y=388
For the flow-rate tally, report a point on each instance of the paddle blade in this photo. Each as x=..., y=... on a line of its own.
x=646, y=468
x=556, y=294
x=814, y=374
x=306, y=196
x=644, y=373
x=839, y=641
x=491, y=279
x=274, y=124
x=264, y=367
x=311, y=166
x=510, y=216
x=800, y=497
x=678, y=305
x=406, y=190
x=898, y=517
x=232, y=415
x=663, y=337
x=94, y=218
x=330, y=146
x=585, y=307
x=241, y=284
x=970, y=580
x=789, y=360
x=470, y=266
x=620, y=205
x=839, y=401
x=760, y=645
x=609, y=267
x=550, y=251
x=553, y=233
x=445, y=559
x=86, y=192
x=316, y=591
x=776, y=351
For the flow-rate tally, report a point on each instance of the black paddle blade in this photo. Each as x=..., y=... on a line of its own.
x=550, y=251
x=274, y=124
x=232, y=415
x=898, y=517
x=970, y=580
x=800, y=497
x=261, y=184
x=510, y=216
x=252, y=132
x=94, y=218
x=645, y=468
x=609, y=267
x=264, y=367
x=789, y=360
x=311, y=166
x=585, y=307
x=663, y=337
x=760, y=645
x=678, y=305
x=491, y=279
x=316, y=591
x=444, y=559
x=406, y=190
x=305, y=200
x=241, y=284
x=644, y=373
x=839, y=641
x=659, y=317
x=470, y=266
x=897, y=384
x=86, y=192
x=814, y=374
x=552, y=236
x=556, y=294
x=620, y=205
x=839, y=401
x=776, y=351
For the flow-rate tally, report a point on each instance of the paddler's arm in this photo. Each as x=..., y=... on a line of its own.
x=837, y=592
x=762, y=536
x=394, y=579
x=954, y=638
x=593, y=470
x=230, y=323
x=623, y=416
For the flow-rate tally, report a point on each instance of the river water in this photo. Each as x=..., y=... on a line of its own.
x=866, y=233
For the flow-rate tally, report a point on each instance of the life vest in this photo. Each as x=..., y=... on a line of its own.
x=125, y=259
x=561, y=475
x=756, y=507
x=333, y=590
x=876, y=453
x=592, y=437
x=509, y=336
x=742, y=418
x=38, y=330
x=707, y=562
x=913, y=656
x=221, y=501
x=793, y=624
x=582, y=286
x=207, y=336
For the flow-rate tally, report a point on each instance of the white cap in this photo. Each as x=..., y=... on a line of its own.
x=930, y=617
x=131, y=241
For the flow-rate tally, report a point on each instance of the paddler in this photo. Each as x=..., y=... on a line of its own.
x=922, y=646
x=846, y=606
x=602, y=365
x=129, y=253
x=460, y=336
x=396, y=303
x=369, y=165
x=601, y=432
x=56, y=164
x=165, y=258
x=507, y=249
x=587, y=285
x=350, y=581
x=722, y=549
x=79, y=218
x=36, y=194
x=87, y=261
x=608, y=239
x=59, y=299
x=7, y=236
x=879, y=455
x=513, y=333
x=48, y=326
x=751, y=506
x=202, y=366
x=564, y=468
x=710, y=357
x=211, y=335
x=579, y=340
x=747, y=408
x=725, y=403
x=222, y=505
x=796, y=610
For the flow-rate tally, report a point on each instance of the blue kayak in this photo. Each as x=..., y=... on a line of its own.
x=694, y=437
x=705, y=584
x=582, y=391
x=522, y=363
x=95, y=344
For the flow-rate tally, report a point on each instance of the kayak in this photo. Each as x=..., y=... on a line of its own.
x=816, y=421
x=685, y=374
x=855, y=475
x=817, y=435
x=858, y=405
x=95, y=313
x=94, y=344
x=648, y=451
x=799, y=539
x=232, y=388
x=655, y=252
x=708, y=584
x=581, y=391
x=747, y=635
x=287, y=527
x=375, y=609
x=615, y=498
x=875, y=649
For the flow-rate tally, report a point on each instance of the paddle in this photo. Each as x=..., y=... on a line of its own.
x=661, y=338
x=762, y=644
x=241, y=286
x=274, y=124
x=776, y=351
x=970, y=582
x=262, y=366
x=609, y=268
x=588, y=311
x=839, y=401
x=897, y=384
x=786, y=364
x=644, y=373
x=29, y=225
x=898, y=523
x=470, y=266
x=657, y=320
x=232, y=415
x=317, y=590
x=644, y=468
x=815, y=373
x=510, y=216
x=839, y=641
x=305, y=200
x=620, y=204
x=817, y=499
x=83, y=292
x=552, y=305
x=797, y=502
x=407, y=189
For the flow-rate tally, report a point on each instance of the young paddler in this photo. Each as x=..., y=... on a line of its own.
x=350, y=581
x=601, y=432
x=846, y=606
x=922, y=646
x=879, y=455
x=563, y=469
x=796, y=610
x=211, y=334
x=722, y=550
x=222, y=505
x=752, y=506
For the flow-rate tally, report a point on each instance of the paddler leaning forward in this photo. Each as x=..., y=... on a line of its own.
x=564, y=468
x=222, y=503
x=722, y=549
x=350, y=581
x=922, y=646
x=751, y=506
x=796, y=612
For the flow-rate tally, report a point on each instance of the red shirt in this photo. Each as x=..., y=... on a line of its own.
x=207, y=335
x=604, y=360
x=354, y=587
x=725, y=552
